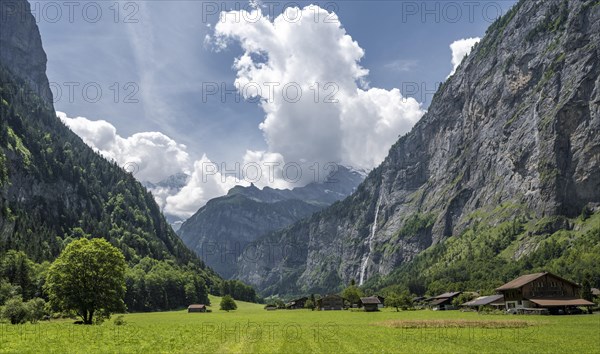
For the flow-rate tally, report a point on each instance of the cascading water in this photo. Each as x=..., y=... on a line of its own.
x=365, y=261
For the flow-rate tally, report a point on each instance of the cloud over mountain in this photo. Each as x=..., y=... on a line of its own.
x=152, y=156
x=305, y=69
x=460, y=49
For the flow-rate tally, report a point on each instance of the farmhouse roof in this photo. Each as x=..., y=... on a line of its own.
x=528, y=278
x=370, y=300
x=485, y=300
x=562, y=302
x=197, y=306
x=447, y=295
x=440, y=301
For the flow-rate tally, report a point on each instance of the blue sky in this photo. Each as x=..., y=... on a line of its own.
x=156, y=52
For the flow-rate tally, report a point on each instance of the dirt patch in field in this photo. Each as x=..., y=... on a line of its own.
x=455, y=324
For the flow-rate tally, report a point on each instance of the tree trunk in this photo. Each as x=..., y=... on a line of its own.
x=87, y=316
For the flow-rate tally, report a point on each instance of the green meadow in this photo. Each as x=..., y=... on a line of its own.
x=251, y=329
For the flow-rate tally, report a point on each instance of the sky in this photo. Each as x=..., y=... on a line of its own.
x=235, y=92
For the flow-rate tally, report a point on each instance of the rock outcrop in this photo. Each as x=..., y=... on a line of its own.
x=21, y=47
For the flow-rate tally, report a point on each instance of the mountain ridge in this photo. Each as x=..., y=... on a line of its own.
x=227, y=226
x=516, y=124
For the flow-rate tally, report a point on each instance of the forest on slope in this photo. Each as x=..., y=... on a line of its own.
x=55, y=189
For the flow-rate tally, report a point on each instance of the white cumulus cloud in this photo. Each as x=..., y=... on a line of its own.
x=205, y=184
x=305, y=69
x=460, y=49
x=153, y=156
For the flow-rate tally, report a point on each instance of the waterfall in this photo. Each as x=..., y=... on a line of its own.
x=365, y=261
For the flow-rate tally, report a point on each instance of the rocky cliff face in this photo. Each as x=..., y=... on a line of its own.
x=225, y=228
x=518, y=123
x=21, y=46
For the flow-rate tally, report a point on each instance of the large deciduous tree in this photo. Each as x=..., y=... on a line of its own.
x=89, y=278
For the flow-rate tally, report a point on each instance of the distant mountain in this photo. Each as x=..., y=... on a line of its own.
x=174, y=182
x=487, y=185
x=226, y=226
x=167, y=187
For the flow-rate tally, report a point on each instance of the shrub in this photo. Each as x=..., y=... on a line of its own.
x=119, y=320
x=15, y=310
x=36, y=309
x=227, y=303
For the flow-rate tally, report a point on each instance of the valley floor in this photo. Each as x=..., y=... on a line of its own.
x=251, y=329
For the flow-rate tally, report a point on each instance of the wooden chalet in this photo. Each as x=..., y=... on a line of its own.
x=296, y=304
x=197, y=308
x=331, y=302
x=443, y=301
x=370, y=303
x=539, y=292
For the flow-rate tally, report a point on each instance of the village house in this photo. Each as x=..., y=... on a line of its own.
x=331, y=302
x=492, y=301
x=296, y=304
x=541, y=292
x=270, y=307
x=443, y=301
x=197, y=308
x=381, y=301
x=370, y=303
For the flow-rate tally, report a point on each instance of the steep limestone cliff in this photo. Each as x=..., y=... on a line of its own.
x=21, y=47
x=518, y=124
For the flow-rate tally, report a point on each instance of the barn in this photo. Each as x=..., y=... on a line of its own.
x=331, y=302
x=370, y=303
x=443, y=301
x=197, y=308
x=296, y=304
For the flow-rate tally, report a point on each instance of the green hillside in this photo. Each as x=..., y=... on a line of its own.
x=54, y=189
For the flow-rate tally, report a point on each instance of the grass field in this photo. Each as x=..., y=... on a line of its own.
x=251, y=329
